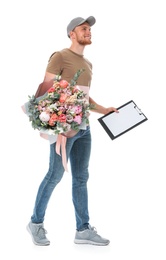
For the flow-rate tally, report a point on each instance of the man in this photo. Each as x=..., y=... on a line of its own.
x=66, y=63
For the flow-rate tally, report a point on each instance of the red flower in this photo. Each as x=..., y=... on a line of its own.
x=63, y=83
x=62, y=118
x=52, y=89
x=75, y=89
x=62, y=98
x=53, y=119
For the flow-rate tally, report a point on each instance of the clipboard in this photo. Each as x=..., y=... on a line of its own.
x=129, y=116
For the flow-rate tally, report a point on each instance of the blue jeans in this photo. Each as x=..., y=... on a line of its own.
x=78, y=150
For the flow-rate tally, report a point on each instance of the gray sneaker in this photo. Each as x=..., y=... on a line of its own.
x=90, y=236
x=37, y=233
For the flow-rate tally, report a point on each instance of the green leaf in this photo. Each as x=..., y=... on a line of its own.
x=76, y=76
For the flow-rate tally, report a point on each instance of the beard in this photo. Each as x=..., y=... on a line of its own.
x=84, y=41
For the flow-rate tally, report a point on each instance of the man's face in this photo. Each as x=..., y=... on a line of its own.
x=82, y=34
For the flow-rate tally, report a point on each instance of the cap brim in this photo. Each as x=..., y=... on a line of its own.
x=90, y=20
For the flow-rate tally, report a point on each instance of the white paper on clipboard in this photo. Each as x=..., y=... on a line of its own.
x=129, y=116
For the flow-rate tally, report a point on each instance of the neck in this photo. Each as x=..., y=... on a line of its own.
x=79, y=49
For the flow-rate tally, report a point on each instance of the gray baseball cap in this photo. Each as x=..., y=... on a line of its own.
x=78, y=21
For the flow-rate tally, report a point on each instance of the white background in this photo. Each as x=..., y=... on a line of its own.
x=127, y=185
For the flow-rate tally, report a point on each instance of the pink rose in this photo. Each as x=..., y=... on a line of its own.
x=77, y=119
x=77, y=109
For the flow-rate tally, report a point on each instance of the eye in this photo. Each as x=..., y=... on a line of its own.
x=86, y=29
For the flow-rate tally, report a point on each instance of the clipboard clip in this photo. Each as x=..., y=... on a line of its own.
x=138, y=110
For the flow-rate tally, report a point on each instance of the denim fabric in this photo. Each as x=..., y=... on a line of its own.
x=78, y=150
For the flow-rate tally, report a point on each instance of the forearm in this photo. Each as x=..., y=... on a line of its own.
x=101, y=109
x=96, y=107
x=45, y=85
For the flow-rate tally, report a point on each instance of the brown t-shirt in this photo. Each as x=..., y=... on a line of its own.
x=67, y=63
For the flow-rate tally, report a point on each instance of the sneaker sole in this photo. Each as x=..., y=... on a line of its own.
x=38, y=244
x=78, y=241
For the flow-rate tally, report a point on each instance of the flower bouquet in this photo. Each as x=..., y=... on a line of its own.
x=61, y=111
x=64, y=109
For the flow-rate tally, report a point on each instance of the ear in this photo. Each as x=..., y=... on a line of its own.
x=72, y=35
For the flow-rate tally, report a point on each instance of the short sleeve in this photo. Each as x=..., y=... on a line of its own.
x=55, y=62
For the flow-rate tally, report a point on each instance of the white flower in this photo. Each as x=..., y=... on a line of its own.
x=44, y=117
x=69, y=118
x=57, y=77
x=52, y=107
